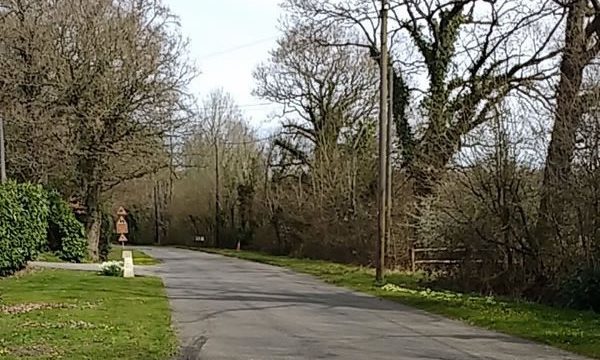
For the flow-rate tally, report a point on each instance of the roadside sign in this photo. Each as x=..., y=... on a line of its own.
x=122, y=238
x=122, y=211
x=122, y=227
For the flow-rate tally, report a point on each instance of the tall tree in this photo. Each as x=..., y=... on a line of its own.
x=573, y=100
x=328, y=94
x=109, y=78
x=221, y=153
x=470, y=50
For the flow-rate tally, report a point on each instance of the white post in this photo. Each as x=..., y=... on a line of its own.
x=128, y=264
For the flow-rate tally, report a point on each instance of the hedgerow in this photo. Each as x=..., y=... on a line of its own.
x=24, y=211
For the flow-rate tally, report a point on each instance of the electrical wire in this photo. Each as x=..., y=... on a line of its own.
x=236, y=48
x=244, y=106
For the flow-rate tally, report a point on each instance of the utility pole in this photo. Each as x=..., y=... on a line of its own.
x=171, y=168
x=217, y=196
x=383, y=118
x=388, y=167
x=157, y=212
x=2, y=153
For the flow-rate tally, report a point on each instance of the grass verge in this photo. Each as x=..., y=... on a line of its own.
x=139, y=257
x=50, y=314
x=575, y=331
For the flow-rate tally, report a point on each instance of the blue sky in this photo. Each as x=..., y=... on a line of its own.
x=215, y=28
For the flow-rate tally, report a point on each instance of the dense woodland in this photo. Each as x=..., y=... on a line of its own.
x=496, y=147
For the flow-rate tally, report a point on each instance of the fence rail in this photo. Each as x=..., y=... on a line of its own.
x=417, y=260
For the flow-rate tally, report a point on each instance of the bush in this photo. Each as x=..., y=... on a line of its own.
x=111, y=268
x=66, y=235
x=23, y=224
x=582, y=290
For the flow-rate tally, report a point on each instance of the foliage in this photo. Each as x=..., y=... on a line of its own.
x=23, y=223
x=133, y=237
x=134, y=62
x=457, y=46
x=66, y=234
x=85, y=316
x=582, y=289
x=111, y=268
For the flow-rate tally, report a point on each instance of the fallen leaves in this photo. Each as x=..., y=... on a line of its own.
x=36, y=350
x=71, y=324
x=25, y=308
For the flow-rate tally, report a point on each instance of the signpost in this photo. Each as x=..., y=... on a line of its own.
x=121, y=211
x=122, y=229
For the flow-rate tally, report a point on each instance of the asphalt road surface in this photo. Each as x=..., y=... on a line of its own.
x=226, y=308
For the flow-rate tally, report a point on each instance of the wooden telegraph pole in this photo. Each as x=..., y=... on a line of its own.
x=383, y=137
x=217, y=197
x=388, y=164
x=2, y=153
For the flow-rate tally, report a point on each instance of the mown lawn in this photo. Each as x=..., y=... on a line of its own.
x=576, y=331
x=139, y=257
x=60, y=314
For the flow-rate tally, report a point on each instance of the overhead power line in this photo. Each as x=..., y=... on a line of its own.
x=236, y=48
x=244, y=106
x=248, y=142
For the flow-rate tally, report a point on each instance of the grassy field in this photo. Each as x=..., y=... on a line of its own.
x=59, y=314
x=571, y=330
x=139, y=257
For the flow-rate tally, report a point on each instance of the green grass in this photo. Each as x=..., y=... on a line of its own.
x=84, y=316
x=49, y=257
x=576, y=331
x=139, y=257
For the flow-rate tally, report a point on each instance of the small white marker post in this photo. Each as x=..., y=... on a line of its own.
x=128, y=264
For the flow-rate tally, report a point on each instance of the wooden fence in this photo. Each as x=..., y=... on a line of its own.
x=445, y=256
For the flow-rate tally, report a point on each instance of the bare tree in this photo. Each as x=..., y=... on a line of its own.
x=470, y=50
x=573, y=101
x=220, y=157
x=110, y=79
x=328, y=94
x=320, y=179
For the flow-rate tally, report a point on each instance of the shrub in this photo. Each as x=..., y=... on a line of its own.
x=582, y=290
x=111, y=268
x=23, y=224
x=66, y=235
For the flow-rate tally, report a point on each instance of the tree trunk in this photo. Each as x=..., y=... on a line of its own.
x=93, y=227
x=93, y=219
x=569, y=112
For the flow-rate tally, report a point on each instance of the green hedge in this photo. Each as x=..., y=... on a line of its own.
x=66, y=235
x=23, y=223
x=582, y=289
